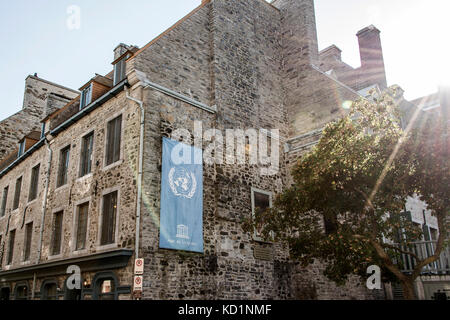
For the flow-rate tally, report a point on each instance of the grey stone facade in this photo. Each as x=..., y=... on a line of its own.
x=41, y=98
x=250, y=64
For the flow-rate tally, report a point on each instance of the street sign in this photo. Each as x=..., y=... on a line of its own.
x=139, y=266
x=138, y=283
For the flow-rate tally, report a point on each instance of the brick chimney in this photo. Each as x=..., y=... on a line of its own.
x=372, y=61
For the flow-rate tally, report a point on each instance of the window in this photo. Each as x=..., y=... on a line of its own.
x=83, y=211
x=106, y=289
x=109, y=219
x=330, y=224
x=63, y=166
x=27, y=241
x=114, y=132
x=12, y=237
x=21, y=292
x=119, y=70
x=34, y=183
x=4, y=201
x=57, y=233
x=21, y=148
x=49, y=291
x=86, y=97
x=261, y=201
x=86, y=155
x=4, y=294
x=17, y=193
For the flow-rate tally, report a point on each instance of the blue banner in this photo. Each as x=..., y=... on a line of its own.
x=181, y=221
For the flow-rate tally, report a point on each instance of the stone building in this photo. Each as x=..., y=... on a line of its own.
x=85, y=190
x=41, y=98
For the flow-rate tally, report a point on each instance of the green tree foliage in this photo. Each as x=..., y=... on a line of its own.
x=357, y=179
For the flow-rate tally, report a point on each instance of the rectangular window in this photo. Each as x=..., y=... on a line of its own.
x=86, y=155
x=21, y=148
x=4, y=201
x=57, y=233
x=17, y=193
x=12, y=237
x=34, y=183
x=63, y=166
x=119, y=71
x=109, y=218
x=86, y=97
x=261, y=201
x=114, y=133
x=83, y=211
x=27, y=241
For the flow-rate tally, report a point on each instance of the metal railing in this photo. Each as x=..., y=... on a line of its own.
x=423, y=250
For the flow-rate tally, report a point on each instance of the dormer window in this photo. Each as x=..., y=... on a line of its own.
x=86, y=97
x=21, y=148
x=119, y=70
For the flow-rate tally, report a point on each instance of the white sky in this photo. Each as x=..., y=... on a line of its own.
x=35, y=38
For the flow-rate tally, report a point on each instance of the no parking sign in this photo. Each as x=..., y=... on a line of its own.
x=138, y=283
x=139, y=266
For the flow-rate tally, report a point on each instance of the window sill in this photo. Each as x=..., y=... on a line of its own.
x=85, y=177
x=261, y=240
x=25, y=263
x=80, y=252
x=113, y=165
x=60, y=188
x=31, y=202
x=107, y=247
x=55, y=257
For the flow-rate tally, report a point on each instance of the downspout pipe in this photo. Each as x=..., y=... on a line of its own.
x=44, y=202
x=140, y=170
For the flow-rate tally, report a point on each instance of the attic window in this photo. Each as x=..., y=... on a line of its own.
x=119, y=70
x=86, y=97
x=21, y=148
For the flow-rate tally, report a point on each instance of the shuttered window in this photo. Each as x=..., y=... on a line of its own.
x=63, y=166
x=12, y=238
x=109, y=218
x=57, y=233
x=34, y=184
x=113, y=140
x=83, y=211
x=4, y=201
x=17, y=193
x=86, y=155
x=27, y=241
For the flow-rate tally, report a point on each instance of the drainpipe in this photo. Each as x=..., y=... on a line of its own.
x=44, y=202
x=140, y=173
x=34, y=286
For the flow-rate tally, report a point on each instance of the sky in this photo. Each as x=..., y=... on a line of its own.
x=42, y=37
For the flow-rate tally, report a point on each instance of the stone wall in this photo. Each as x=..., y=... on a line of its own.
x=41, y=97
x=91, y=188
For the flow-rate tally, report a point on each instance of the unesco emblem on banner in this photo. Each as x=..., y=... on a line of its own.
x=182, y=182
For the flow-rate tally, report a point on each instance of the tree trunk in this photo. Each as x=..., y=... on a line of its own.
x=408, y=290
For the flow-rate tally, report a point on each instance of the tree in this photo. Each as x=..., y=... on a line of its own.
x=357, y=180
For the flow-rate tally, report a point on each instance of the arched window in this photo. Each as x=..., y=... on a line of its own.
x=105, y=286
x=4, y=293
x=21, y=291
x=49, y=290
x=74, y=294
